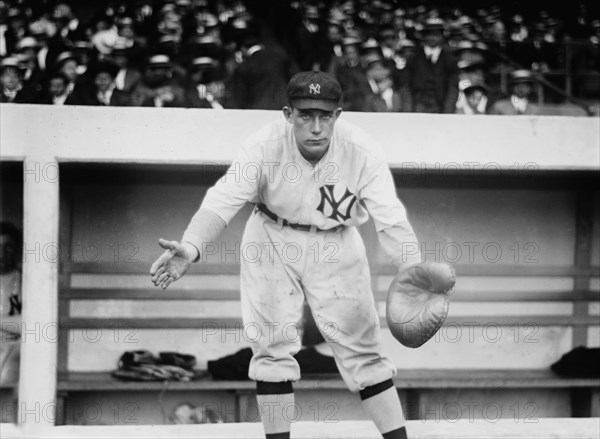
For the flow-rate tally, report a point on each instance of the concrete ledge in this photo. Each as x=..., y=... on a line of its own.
x=202, y=136
x=572, y=428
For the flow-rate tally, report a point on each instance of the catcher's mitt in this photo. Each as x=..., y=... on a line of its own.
x=418, y=301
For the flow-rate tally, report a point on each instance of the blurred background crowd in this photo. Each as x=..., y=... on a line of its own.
x=395, y=56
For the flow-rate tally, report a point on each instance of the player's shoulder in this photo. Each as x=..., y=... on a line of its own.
x=354, y=137
x=268, y=133
x=267, y=136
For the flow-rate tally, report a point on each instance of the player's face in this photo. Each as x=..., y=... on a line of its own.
x=312, y=129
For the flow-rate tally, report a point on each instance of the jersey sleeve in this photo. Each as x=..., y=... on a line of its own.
x=239, y=184
x=378, y=195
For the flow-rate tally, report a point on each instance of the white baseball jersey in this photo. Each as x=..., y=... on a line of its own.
x=351, y=181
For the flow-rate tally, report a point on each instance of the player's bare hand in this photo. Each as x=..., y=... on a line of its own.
x=172, y=264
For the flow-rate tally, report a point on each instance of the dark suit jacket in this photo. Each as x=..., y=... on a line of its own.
x=149, y=94
x=439, y=80
x=260, y=81
x=88, y=96
x=193, y=99
x=132, y=78
x=401, y=102
x=27, y=95
x=353, y=81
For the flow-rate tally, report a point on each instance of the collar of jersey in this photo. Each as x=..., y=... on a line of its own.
x=298, y=154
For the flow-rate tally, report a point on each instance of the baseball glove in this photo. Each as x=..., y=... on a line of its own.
x=418, y=302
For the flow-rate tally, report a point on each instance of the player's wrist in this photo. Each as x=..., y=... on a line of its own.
x=191, y=251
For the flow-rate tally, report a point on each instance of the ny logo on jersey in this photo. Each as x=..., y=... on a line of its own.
x=332, y=208
x=314, y=89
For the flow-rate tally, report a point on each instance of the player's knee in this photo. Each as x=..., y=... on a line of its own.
x=274, y=388
x=376, y=389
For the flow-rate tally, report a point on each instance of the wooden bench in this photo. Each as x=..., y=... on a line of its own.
x=413, y=385
x=584, y=392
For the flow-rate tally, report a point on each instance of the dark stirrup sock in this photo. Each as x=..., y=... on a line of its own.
x=274, y=401
x=382, y=403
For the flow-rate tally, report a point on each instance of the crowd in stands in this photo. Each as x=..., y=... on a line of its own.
x=220, y=54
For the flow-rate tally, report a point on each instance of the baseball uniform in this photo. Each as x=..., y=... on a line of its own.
x=282, y=264
x=313, y=179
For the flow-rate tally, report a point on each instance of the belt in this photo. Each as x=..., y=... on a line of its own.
x=304, y=227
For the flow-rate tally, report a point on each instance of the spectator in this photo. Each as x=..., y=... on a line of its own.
x=3, y=33
x=587, y=64
x=260, y=81
x=15, y=30
x=211, y=27
x=388, y=40
x=472, y=71
x=470, y=51
x=103, y=91
x=205, y=46
x=128, y=78
x=42, y=30
x=169, y=23
x=55, y=91
x=308, y=40
x=206, y=88
x=67, y=25
x=541, y=55
x=11, y=80
x=161, y=86
x=83, y=51
x=27, y=53
x=521, y=86
x=168, y=45
x=405, y=50
x=331, y=51
x=433, y=73
x=174, y=28
x=62, y=34
x=382, y=95
x=127, y=38
x=473, y=98
x=66, y=63
x=351, y=75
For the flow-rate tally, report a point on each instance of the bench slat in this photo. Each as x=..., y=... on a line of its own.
x=236, y=323
x=232, y=268
x=404, y=379
x=460, y=296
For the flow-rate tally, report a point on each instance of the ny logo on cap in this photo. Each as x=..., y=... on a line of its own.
x=314, y=89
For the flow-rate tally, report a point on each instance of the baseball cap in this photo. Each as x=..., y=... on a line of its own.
x=314, y=90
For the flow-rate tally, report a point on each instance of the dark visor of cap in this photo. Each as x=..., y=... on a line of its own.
x=314, y=104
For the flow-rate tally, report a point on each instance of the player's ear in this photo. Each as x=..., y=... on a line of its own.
x=287, y=113
x=337, y=112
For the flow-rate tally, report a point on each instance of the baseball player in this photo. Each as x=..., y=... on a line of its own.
x=313, y=178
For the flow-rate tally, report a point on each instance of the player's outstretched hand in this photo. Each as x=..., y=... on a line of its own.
x=172, y=264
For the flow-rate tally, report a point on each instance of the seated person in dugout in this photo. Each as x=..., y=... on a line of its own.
x=10, y=308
